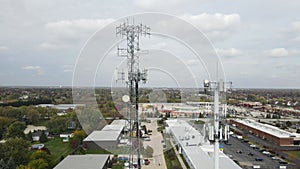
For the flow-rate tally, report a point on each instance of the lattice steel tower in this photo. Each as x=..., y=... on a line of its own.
x=134, y=75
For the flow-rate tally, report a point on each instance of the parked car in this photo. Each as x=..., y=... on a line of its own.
x=259, y=159
x=283, y=162
x=250, y=154
x=266, y=152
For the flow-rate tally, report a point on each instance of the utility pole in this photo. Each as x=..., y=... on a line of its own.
x=132, y=34
x=217, y=87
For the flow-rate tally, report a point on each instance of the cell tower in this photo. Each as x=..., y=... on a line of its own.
x=134, y=75
x=218, y=88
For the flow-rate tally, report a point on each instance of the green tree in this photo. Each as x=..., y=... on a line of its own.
x=29, y=136
x=2, y=164
x=33, y=116
x=11, y=163
x=77, y=138
x=16, y=129
x=38, y=164
x=22, y=167
x=39, y=154
x=4, y=123
x=57, y=124
x=17, y=148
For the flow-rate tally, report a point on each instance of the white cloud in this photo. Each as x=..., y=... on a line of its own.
x=229, y=52
x=3, y=48
x=216, y=26
x=68, y=68
x=78, y=28
x=38, y=69
x=159, y=5
x=280, y=52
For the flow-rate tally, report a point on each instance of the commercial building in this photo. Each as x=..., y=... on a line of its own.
x=99, y=161
x=196, y=150
x=61, y=107
x=107, y=138
x=268, y=132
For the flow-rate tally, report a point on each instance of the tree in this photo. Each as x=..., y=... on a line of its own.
x=298, y=131
x=29, y=136
x=17, y=148
x=32, y=116
x=38, y=164
x=43, y=137
x=16, y=129
x=22, y=167
x=57, y=124
x=77, y=138
x=11, y=164
x=38, y=160
x=2, y=164
x=39, y=154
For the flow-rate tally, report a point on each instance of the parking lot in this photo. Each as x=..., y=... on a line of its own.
x=155, y=141
x=247, y=156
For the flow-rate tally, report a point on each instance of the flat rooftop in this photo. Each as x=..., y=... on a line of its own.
x=272, y=130
x=118, y=128
x=119, y=122
x=197, y=149
x=103, y=136
x=88, y=161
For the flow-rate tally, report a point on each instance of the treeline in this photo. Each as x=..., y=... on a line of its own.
x=19, y=103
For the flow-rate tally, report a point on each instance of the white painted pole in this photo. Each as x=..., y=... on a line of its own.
x=216, y=126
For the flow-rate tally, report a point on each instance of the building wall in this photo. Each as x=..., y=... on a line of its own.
x=98, y=145
x=264, y=135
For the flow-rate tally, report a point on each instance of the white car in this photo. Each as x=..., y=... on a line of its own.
x=275, y=158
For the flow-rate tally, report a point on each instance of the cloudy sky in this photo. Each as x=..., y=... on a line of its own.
x=258, y=41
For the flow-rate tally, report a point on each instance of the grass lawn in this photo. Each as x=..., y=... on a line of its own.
x=171, y=159
x=58, y=149
x=293, y=154
x=118, y=166
x=198, y=121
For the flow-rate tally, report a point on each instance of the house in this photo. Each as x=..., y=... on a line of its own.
x=37, y=134
x=89, y=161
